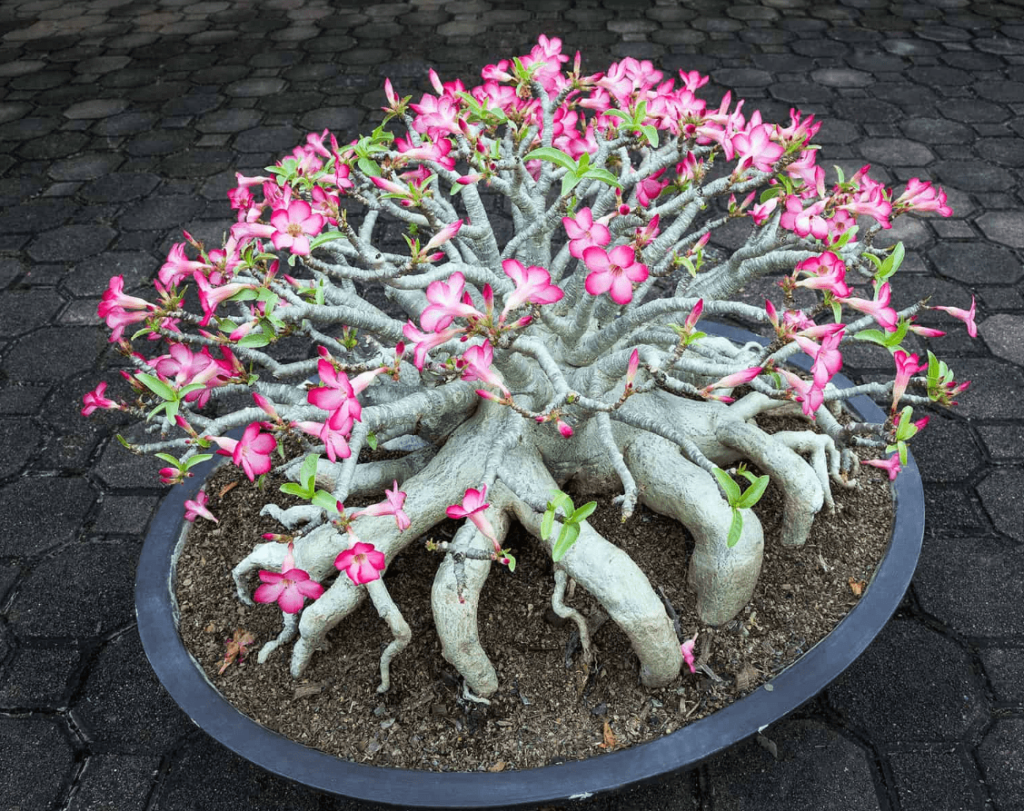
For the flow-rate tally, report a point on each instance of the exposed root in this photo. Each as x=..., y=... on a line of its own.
x=824, y=459
x=455, y=604
x=291, y=628
x=604, y=570
x=724, y=577
x=388, y=611
x=565, y=612
x=802, y=491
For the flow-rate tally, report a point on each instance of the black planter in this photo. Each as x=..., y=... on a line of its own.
x=183, y=678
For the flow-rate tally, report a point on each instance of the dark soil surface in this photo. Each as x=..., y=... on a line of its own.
x=550, y=707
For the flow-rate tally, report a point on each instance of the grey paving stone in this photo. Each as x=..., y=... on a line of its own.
x=976, y=262
x=973, y=111
x=229, y=120
x=123, y=707
x=996, y=388
x=268, y=139
x=193, y=163
x=911, y=684
x=95, y=108
x=36, y=216
x=50, y=147
x=91, y=277
x=895, y=152
x=1002, y=495
x=936, y=131
x=89, y=166
x=39, y=677
x=817, y=768
x=33, y=525
x=227, y=780
x=42, y=744
x=160, y=142
x=158, y=213
x=988, y=585
x=936, y=781
x=1003, y=441
x=84, y=592
x=125, y=515
x=945, y=451
x=125, y=124
x=1004, y=667
x=1002, y=763
x=114, y=783
x=120, y=470
x=1006, y=227
x=120, y=187
x=19, y=440
x=343, y=121
x=254, y=88
x=51, y=353
x=1004, y=335
x=17, y=398
x=1005, y=151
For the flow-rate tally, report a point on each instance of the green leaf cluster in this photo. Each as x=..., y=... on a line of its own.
x=740, y=499
x=307, y=487
x=572, y=518
x=575, y=171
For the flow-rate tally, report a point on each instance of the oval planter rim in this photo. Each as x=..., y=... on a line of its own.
x=182, y=677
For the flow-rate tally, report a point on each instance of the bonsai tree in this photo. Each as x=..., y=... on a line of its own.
x=510, y=362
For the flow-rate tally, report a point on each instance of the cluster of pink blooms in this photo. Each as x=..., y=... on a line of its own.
x=293, y=214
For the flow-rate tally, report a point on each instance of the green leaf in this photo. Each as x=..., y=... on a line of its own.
x=560, y=499
x=735, y=529
x=569, y=182
x=596, y=173
x=547, y=524
x=566, y=538
x=171, y=460
x=325, y=501
x=652, y=134
x=877, y=262
x=753, y=494
x=293, y=489
x=892, y=263
x=157, y=386
x=875, y=336
x=846, y=237
x=732, y=490
x=627, y=117
x=198, y=459
x=894, y=339
x=368, y=167
x=124, y=441
x=583, y=513
x=511, y=560
x=901, y=446
x=191, y=387
x=324, y=238
x=839, y=174
x=307, y=474
x=552, y=155
x=837, y=311
x=254, y=340
x=371, y=440
x=248, y=294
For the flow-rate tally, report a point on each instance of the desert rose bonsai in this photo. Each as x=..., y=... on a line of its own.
x=567, y=349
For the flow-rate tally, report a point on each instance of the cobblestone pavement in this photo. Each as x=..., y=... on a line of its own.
x=123, y=121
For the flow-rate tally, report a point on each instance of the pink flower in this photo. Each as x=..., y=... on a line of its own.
x=294, y=226
x=178, y=266
x=95, y=399
x=424, y=342
x=906, y=367
x=632, y=368
x=289, y=588
x=920, y=195
x=687, y=650
x=533, y=285
x=476, y=365
x=615, y=271
x=444, y=235
x=805, y=221
x=827, y=272
x=336, y=389
x=251, y=452
x=392, y=505
x=334, y=433
x=732, y=381
x=890, y=465
x=584, y=232
x=472, y=507
x=648, y=189
x=827, y=358
x=967, y=316
x=210, y=296
x=198, y=507
x=755, y=147
x=878, y=308
x=447, y=303
x=362, y=563
x=808, y=395
x=563, y=427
